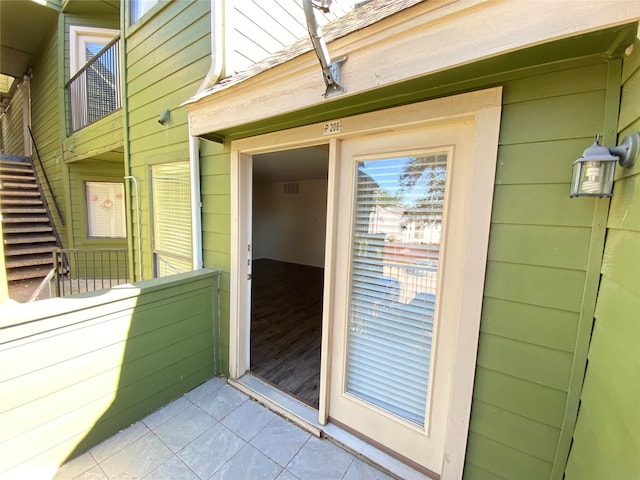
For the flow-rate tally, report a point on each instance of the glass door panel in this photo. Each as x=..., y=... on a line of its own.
x=399, y=207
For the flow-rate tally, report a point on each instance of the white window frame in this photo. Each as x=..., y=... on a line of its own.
x=160, y=254
x=79, y=36
x=119, y=222
x=145, y=6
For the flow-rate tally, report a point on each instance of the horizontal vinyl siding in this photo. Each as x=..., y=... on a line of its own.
x=260, y=28
x=536, y=271
x=111, y=359
x=215, y=178
x=606, y=440
x=47, y=130
x=167, y=57
x=104, y=136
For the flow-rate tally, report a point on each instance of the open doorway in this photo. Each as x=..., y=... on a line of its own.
x=289, y=215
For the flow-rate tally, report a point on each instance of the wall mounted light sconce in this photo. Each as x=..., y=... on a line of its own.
x=593, y=172
x=164, y=117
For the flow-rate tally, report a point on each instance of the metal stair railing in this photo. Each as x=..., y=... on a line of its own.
x=89, y=269
x=46, y=177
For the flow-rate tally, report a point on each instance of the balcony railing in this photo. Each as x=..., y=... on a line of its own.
x=94, y=92
x=86, y=270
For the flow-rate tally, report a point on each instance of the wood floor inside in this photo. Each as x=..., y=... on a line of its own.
x=286, y=326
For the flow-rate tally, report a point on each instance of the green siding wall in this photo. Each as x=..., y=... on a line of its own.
x=215, y=178
x=102, y=139
x=167, y=56
x=11, y=125
x=539, y=272
x=607, y=436
x=111, y=359
x=46, y=124
x=536, y=274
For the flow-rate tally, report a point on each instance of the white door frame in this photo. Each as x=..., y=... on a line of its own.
x=483, y=108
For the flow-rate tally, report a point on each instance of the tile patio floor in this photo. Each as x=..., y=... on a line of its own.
x=217, y=432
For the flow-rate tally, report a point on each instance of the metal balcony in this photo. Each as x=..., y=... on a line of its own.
x=95, y=91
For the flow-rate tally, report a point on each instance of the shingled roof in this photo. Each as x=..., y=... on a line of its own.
x=355, y=20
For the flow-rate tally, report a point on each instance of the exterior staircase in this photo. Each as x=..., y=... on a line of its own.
x=28, y=232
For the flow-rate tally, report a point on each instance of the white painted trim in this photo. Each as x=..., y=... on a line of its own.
x=455, y=34
x=486, y=134
x=196, y=202
x=237, y=368
x=78, y=36
x=217, y=45
x=329, y=275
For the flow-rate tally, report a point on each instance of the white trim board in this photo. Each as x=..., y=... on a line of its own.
x=456, y=34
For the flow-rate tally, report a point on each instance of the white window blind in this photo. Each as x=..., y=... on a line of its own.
x=106, y=216
x=394, y=277
x=171, y=199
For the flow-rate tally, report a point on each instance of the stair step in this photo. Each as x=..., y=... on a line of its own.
x=20, y=193
x=25, y=171
x=30, y=250
x=28, y=229
x=44, y=219
x=15, y=162
x=23, y=211
x=35, y=238
x=19, y=201
x=19, y=178
x=29, y=272
x=29, y=183
x=38, y=259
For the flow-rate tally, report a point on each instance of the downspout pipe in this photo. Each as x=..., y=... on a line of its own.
x=196, y=202
x=127, y=160
x=215, y=70
x=330, y=70
x=138, y=220
x=217, y=45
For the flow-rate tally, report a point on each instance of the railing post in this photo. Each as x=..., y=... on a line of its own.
x=56, y=267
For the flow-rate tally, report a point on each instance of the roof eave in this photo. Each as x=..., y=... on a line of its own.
x=450, y=36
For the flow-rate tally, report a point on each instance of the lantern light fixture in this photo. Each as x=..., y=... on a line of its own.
x=165, y=117
x=593, y=172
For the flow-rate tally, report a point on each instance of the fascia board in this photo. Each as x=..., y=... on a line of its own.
x=413, y=43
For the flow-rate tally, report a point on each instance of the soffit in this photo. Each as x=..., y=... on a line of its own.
x=94, y=7
x=418, y=42
x=23, y=27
